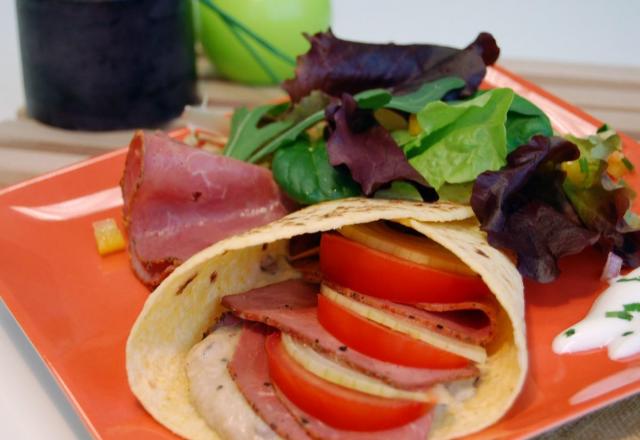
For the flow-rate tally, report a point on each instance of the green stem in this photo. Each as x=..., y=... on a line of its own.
x=232, y=22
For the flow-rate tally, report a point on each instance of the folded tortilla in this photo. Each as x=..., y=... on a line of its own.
x=181, y=310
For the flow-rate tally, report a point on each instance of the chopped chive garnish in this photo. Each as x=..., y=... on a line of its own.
x=625, y=280
x=570, y=332
x=584, y=165
x=632, y=307
x=627, y=163
x=627, y=333
x=603, y=127
x=619, y=314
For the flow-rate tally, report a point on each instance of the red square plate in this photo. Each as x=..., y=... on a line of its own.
x=77, y=307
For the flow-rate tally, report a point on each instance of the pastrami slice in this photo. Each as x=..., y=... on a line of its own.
x=470, y=321
x=290, y=306
x=250, y=371
x=179, y=199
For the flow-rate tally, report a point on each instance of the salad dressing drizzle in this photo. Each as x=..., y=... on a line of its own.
x=613, y=321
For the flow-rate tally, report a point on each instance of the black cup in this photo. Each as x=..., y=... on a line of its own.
x=107, y=64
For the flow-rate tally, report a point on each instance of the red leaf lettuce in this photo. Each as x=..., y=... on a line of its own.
x=366, y=148
x=337, y=66
x=523, y=207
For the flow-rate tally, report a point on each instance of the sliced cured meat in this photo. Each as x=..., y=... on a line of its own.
x=481, y=315
x=469, y=321
x=290, y=306
x=179, y=200
x=249, y=369
x=309, y=268
x=339, y=406
x=416, y=430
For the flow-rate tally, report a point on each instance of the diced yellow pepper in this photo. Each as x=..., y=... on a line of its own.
x=108, y=236
x=615, y=165
x=414, y=126
x=390, y=120
x=574, y=174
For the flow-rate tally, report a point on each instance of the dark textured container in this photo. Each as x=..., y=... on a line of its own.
x=106, y=64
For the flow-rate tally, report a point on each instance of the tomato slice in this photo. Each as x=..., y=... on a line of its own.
x=337, y=406
x=371, y=272
x=380, y=342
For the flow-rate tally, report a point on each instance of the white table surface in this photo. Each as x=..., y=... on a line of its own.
x=31, y=404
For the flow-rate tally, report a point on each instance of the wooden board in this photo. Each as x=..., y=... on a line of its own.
x=28, y=148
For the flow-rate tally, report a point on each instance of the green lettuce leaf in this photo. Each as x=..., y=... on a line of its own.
x=428, y=92
x=457, y=192
x=399, y=190
x=372, y=99
x=411, y=102
x=525, y=120
x=303, y=171
x=461, y=140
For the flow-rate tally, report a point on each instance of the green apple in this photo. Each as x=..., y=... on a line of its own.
x=279, y=22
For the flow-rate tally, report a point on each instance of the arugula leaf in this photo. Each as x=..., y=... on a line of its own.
x=399, y=190
x=303, y=171
x=310, y=104
x=432, y=91
x=525, y=120
x=289, y=135
x=461, y=140
x=246, y=137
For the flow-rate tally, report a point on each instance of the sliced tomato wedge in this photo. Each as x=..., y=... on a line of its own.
x=380, y=342
x=337, y=406
x=371, y=272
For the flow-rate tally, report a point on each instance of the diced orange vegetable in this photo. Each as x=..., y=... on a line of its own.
x=615, y=165
x=414, y=126
x=109, y=239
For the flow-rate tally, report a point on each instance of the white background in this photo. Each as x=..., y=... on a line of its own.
x=594, y=32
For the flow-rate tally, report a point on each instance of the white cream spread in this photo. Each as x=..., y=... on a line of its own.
x=613, y=321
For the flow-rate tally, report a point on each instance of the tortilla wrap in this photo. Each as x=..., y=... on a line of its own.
x=181, y=310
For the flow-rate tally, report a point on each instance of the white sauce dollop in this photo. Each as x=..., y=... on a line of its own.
x=613, y=321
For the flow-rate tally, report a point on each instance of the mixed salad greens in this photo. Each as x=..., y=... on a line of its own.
x=410, y=122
